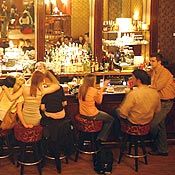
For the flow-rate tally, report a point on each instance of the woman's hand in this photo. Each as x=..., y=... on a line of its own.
x=28, y=126
x=106, y=82
x=5, y=88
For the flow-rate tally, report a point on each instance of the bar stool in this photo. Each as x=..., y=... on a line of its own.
x=135, y=136
x=88, y=130
x=4, y=144
x=59, y=142
x=57, y=159
x=29, y=140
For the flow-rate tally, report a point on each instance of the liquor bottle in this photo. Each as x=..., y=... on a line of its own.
x=96, y=65
x=92, y=65
x=111, y=64
x=101, y=68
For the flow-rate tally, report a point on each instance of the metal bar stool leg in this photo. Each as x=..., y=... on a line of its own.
x=22, y=170
x=144, y=151
x=67, y=161
x=136, y=154
x=37, y=157
x=130, y=147
x=58, y=163
x=122, y=148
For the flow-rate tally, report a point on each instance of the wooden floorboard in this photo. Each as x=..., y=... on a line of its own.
x=157, y=165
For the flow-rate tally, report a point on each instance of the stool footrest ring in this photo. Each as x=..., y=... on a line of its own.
x=133, y=156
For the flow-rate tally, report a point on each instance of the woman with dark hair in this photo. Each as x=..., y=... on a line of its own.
x=8, y=81
x=88, y=96
x=12, y=84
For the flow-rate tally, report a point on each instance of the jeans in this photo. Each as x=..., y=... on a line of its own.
x=107, y=124
x=158, y=127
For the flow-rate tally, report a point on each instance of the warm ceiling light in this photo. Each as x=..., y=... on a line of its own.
x=47, y=2
x=64, y=1
x=53, y=2
x=50, y=1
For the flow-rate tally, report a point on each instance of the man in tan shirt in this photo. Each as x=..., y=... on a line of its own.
x=162, y=81
x=140, y=104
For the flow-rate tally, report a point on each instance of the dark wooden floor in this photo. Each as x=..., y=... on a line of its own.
x=156, y=166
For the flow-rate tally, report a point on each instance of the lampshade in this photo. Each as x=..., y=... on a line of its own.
x=125, y=24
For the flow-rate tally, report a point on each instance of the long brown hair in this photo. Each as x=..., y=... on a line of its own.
x=37, y=78
x=89, y=81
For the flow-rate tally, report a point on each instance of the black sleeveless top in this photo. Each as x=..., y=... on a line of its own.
x=53, y=101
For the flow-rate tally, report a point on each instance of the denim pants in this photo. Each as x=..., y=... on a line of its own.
x=158, y=127
x=107, y=124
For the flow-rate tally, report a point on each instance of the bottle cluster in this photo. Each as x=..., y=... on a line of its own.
x=70, y=59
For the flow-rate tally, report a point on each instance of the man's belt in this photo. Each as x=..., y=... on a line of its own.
x=167, y=100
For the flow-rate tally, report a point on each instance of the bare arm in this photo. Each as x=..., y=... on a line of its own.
x=52, y=78
x=20, y=115
x=64, y=103
x=51, y=87
x=99, y=96
x=42, y=107
x=14, y=96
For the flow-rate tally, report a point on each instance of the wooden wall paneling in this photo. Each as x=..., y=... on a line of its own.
x=98, y=24
x=40, y=29
x=166, y=28
x=154, y=27
x=79, y=17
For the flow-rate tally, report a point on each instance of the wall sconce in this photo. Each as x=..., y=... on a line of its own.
x=136, y=22
x=136, y=15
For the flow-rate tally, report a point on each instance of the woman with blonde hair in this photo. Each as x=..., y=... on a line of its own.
x=88, y=96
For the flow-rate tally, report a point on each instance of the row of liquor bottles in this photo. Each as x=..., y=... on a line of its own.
x=75, y=60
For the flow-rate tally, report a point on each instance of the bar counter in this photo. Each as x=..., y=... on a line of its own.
x=110, y=100
x=113, y=100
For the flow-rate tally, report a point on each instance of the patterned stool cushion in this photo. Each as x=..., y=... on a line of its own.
x=3, y=132
x=27, y=30
x=27, y=135
x=86, y=125
x=135, y=129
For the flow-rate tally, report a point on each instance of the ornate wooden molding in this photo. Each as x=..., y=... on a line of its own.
x=154, y=27
x=98, y=24
x=40, y=29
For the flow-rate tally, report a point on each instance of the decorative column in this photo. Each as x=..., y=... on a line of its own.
x=154, y=27
x=98, y=25
x=40, y=29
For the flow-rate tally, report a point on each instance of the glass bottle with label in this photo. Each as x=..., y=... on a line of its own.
x=96, y=65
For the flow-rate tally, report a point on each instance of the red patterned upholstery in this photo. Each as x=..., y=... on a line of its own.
x=3, y=133
x=135, y=129
x=27, y=135
x=86, y=125
x=27, y=30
